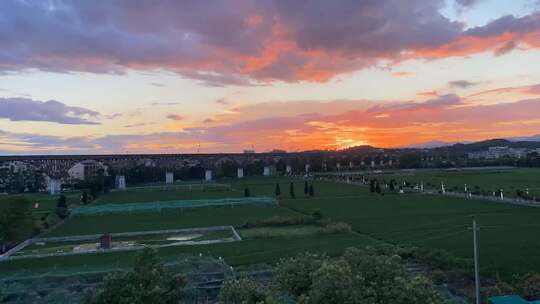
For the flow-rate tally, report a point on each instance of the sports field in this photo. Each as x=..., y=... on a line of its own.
x=508, y=234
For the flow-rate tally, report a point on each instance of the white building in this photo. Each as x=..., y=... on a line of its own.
x=86, y=169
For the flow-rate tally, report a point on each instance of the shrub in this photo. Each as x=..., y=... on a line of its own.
x=336, y=228
x=531, y=286
x=438, y=276
x=280, y=221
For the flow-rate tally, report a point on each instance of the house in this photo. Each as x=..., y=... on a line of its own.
x=86, y=170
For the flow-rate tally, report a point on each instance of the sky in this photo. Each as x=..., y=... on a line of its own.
x=85, y=77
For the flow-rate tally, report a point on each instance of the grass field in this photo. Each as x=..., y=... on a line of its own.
x=508, y=234
x=46, y=202
x=509, y=180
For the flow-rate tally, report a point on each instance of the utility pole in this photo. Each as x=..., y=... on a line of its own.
x=476, y=266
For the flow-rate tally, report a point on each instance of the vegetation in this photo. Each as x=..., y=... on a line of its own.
x=61, y=207
x=149, y=282
x=359, y=276
x=16, y=221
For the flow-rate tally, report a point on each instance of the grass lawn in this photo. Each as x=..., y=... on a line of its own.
x=167, y=219
x=509, y=180
x=508, y=234
x=246, y=252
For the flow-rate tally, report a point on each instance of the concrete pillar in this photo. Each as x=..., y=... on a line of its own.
x=54, y=186
x=169, y=178
x=267, y=171
x=208, y=175
x=240, y=172
x=121, y=182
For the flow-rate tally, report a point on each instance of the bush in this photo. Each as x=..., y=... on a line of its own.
x=280, y=221
x=438, y=276
x=336, y=228
x=531, y=286
x=243, y=290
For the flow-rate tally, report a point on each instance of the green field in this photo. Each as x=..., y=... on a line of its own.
x=45, y=201
x=508, y=234
x=509, y=180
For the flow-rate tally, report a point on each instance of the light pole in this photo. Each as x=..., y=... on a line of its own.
x=476, y=266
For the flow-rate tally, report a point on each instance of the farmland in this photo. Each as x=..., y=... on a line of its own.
x=428, y=221
x=487, y=181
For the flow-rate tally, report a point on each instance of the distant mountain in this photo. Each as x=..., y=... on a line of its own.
x=526, y=138
x=456, y=149
x=429, y=145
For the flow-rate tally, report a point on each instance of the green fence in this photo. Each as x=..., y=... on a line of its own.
x=177, y=204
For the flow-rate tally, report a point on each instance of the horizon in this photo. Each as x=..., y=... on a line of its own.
x=185, y=78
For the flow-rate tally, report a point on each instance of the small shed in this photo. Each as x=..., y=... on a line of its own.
x=105, y=241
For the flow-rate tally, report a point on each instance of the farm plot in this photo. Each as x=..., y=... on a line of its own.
x=82, y=244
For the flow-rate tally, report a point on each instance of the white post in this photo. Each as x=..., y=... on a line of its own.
x=169, y=178
x=240, y=172
x=288, y=169
x=465, y=188
x=442, y=188
x=422, y=187
x=208, y=175
x=502, y=195
x=476, y=265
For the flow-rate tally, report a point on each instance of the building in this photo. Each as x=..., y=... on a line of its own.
x=86, y=170
x=499, y=152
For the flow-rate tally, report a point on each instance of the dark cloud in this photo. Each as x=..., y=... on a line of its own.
x=157, y=84
x=506, y=48
x=461, y=84
x=175, y=117
x=137, y=125
x=113, y=116
x=24, y=109
x=240, y=43
x=166, y=103
x=467, y=3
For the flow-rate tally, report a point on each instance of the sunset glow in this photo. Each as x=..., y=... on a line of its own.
x=186, y=77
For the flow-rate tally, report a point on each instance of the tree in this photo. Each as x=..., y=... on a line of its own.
x=243, y=290
x=359, y=276
x=278, y=191
x=148, y=282
x=61, y=207
x=292, y=190
x=16, y=221
x=372, y=185
x=311, y=190
x=246, y=192
x=84, y=198
x=306, y=188
x=294, y=274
